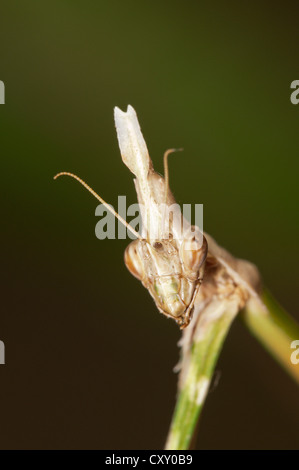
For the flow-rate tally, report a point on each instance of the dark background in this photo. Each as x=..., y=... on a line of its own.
x=88, y=358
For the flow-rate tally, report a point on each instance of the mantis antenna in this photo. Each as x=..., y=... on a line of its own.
x=123, y=221
x=166, y=172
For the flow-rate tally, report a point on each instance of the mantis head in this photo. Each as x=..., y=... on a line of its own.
x=171, y=271
x=171, y=267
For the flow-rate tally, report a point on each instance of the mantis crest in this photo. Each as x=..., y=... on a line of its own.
x=169, y=257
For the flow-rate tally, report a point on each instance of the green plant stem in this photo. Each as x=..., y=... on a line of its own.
x=269, y=323
x=275, y=330
x=204, y=351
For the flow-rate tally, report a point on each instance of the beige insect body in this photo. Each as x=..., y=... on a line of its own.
x=169, y=255
x=170, y=259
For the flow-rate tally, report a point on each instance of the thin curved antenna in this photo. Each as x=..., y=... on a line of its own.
x=166, y=172
x=119, y=217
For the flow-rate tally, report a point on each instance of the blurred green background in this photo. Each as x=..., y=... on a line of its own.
x=88, y=357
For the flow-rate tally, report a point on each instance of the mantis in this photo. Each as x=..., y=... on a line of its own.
x=170, y=256
x=191, y=278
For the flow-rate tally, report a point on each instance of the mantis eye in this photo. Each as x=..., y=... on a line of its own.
x=133, y=261
x=194, y=251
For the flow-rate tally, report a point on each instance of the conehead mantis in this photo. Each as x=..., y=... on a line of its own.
x=169, y=256
x=189, y=276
